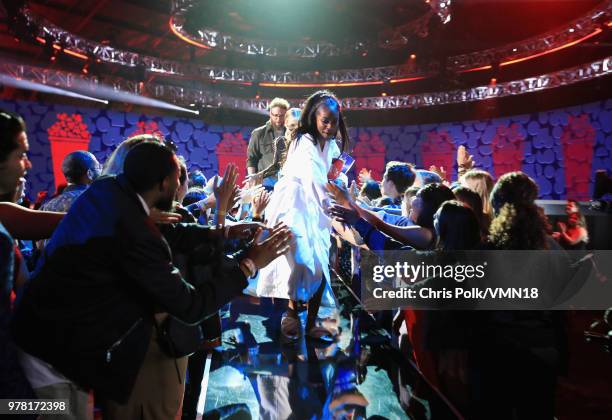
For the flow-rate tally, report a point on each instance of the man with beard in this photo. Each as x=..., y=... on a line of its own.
x=260, y=153
x=90, y=311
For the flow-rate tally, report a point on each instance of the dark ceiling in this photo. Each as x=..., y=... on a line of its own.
x=143, y=26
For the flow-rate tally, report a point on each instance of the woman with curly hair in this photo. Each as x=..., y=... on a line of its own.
x=300, y=201
x=515, y=345
x=519, y=223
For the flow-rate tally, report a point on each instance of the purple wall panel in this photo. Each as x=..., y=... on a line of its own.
x=541, y=135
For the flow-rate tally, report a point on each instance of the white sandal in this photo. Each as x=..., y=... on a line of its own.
x=291, y=327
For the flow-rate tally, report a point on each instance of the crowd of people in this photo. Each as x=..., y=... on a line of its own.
x=95, y=279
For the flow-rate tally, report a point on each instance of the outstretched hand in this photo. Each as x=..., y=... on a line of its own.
x=439, y=170
x=226, y=190
x=264, y=252
x=345, y=215
x=164, y=217
x=253, y=180
x=340, y=194
x=244, y=230
x=464, y=159
x=260, y=202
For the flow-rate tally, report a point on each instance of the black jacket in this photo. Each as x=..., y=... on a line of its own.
x=88, y=310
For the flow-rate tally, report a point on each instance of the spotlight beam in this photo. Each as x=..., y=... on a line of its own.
x=38, y=87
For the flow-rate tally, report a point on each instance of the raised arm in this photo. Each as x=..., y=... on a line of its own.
x=26, y=224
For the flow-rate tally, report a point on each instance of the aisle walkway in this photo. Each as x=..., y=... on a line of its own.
x=359, y=376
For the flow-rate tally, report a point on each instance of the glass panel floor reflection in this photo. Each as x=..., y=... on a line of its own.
x=253, y=375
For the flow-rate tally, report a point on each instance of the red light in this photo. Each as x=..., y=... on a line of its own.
x=569, y=44
x=184, y=38
x=257, y=97
x=476, y=69
x=407, y=79
x=493, y=81
x=76, y=54
x=306, y=85
x=412, y=56
x=364, y=54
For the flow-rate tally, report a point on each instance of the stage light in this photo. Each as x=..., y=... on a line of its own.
x=493, y=81
x=383, y=94
x=412, y=56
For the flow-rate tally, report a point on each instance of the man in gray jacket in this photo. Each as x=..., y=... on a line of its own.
x=260, y=153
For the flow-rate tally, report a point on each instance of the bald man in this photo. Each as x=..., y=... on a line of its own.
x=80, y=169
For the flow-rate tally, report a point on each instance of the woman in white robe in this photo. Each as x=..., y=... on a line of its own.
x=300, y=200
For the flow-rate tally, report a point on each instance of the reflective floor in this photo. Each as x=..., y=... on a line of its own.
x=362, y=375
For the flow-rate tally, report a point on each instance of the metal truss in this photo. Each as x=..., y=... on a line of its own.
x=576, y=30
x=45, y=76
x=393, y=38
x=560, y=78
x=206, y=97
x=590, y=24
x=213, y=39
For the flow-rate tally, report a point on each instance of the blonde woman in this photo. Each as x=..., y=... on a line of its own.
x=480, y=182
x=281, y=146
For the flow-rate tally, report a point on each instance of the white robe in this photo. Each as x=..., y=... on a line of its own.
x=300, y=200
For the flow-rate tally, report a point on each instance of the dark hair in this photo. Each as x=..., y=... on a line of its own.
x=11, y=125
x=147, y=165
x=370, y=189
x=473, y=200
x=197, y=179
x=401, y=174
x=194, y=194
x=76, y=164
x=519, y=223
x=427, y=177
x=581, y=219
x=383, y=201
x=432, y=196
x=183, y=170
x=456, y=226
x=308, y=119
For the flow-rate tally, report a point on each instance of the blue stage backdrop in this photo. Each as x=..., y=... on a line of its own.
x=560, y=148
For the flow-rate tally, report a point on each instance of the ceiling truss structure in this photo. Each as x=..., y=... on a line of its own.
x=45, y=31
x=397, y=37
x=204, y=97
